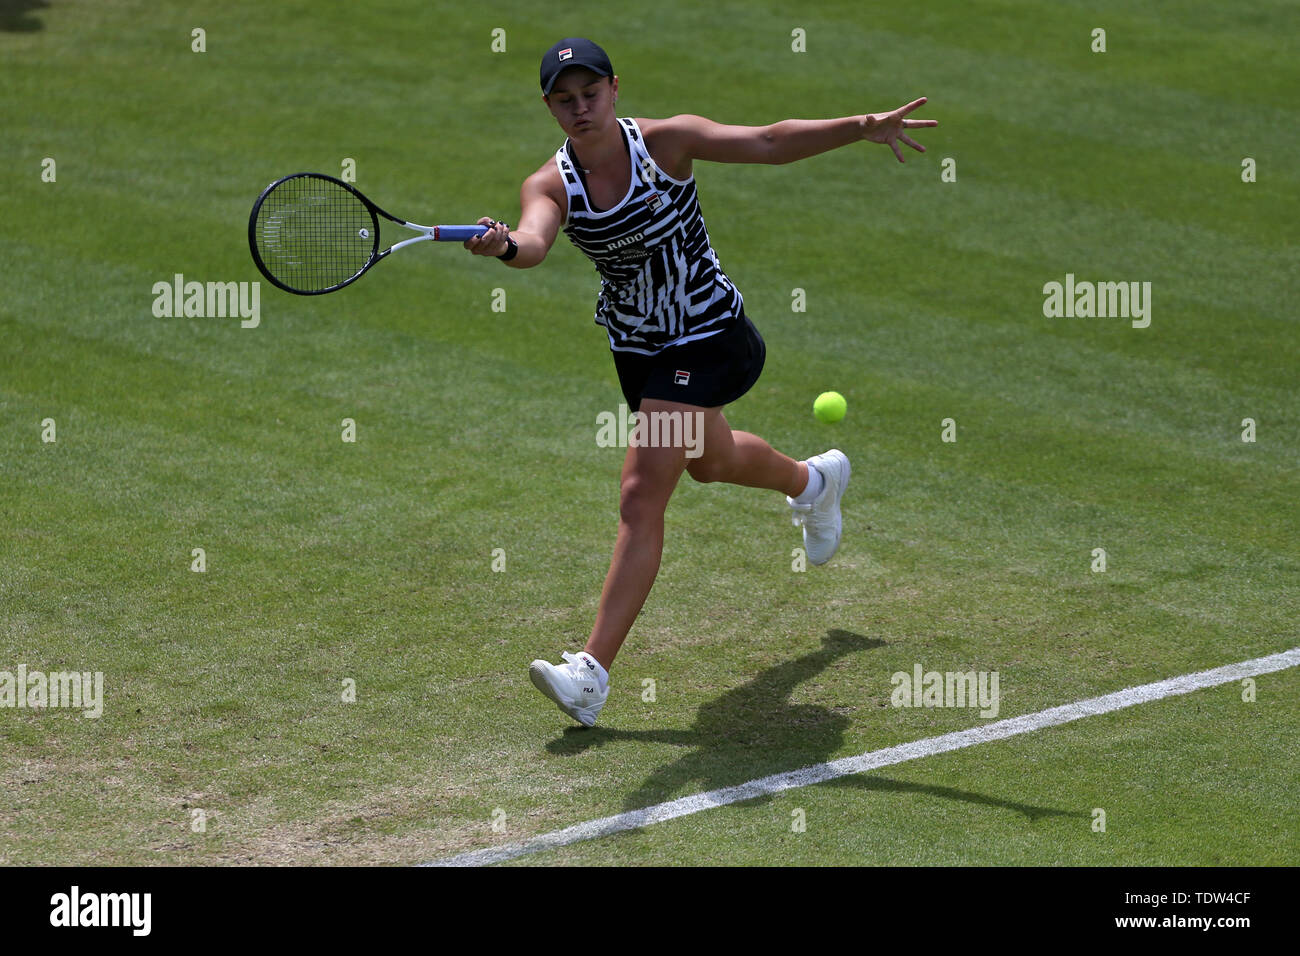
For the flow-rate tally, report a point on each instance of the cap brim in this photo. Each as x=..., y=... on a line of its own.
x=571, y=66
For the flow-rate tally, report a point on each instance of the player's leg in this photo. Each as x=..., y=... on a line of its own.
x=742, y=458
x=649, y=476
x=579, y=687
x=813, y=488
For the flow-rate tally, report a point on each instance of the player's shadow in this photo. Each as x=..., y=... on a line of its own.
x=748, y=732
x=15, y=16
x=889, y=785
x=754, y=731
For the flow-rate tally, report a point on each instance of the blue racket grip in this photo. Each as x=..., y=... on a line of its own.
x=459, y=233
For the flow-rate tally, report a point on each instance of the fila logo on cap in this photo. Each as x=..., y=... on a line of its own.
x=681, y=378
x=566, y=54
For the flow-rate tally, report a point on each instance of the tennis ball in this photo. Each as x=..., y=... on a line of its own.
x=829, y=407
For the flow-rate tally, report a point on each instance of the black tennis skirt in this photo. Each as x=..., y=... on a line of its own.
x=707, y=372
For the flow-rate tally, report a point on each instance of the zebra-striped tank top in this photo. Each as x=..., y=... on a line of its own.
x=661, y=283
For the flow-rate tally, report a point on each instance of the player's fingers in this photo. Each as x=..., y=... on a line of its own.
x=473, y=242
x=911, y=142
x=893, y=144
x=484, y=245
x=904, y=110
x=917, y=124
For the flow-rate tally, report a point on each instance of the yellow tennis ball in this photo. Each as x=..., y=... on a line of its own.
x=829, y=407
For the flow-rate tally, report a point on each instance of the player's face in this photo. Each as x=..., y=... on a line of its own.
x=582, y=102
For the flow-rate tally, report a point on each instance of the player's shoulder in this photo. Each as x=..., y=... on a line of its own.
x=547, y=180
x=670, y=125
x=668, y=139
x=676, y=121
x=654, y=129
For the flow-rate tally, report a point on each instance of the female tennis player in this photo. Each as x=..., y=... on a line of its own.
x=623, y=192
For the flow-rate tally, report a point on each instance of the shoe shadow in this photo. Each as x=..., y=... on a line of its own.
x=15, y=16
x=754, y=731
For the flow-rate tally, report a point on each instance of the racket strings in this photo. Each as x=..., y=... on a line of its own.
x=313, y=234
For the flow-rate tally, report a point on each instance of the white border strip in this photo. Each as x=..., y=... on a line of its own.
x=872, y=760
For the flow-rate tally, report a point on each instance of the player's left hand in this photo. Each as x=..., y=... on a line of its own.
x=888, y=127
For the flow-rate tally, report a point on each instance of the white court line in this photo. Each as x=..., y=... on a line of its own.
x=872, y=760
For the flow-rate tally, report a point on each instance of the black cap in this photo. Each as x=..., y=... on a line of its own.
x=573, y=51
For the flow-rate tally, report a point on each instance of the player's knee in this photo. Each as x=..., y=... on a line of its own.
x=640, y=501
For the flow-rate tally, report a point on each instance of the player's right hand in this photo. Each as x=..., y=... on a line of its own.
x=491, y=243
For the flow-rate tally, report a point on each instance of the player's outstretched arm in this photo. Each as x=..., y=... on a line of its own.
x=539, y=223
x=695, y=137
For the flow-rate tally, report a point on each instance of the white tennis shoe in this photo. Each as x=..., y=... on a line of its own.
x=573, y=686
x=821, y=521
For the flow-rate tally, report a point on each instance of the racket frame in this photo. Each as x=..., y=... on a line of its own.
x=427, y=233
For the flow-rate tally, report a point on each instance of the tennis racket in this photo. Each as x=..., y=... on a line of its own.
x=310, y=233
